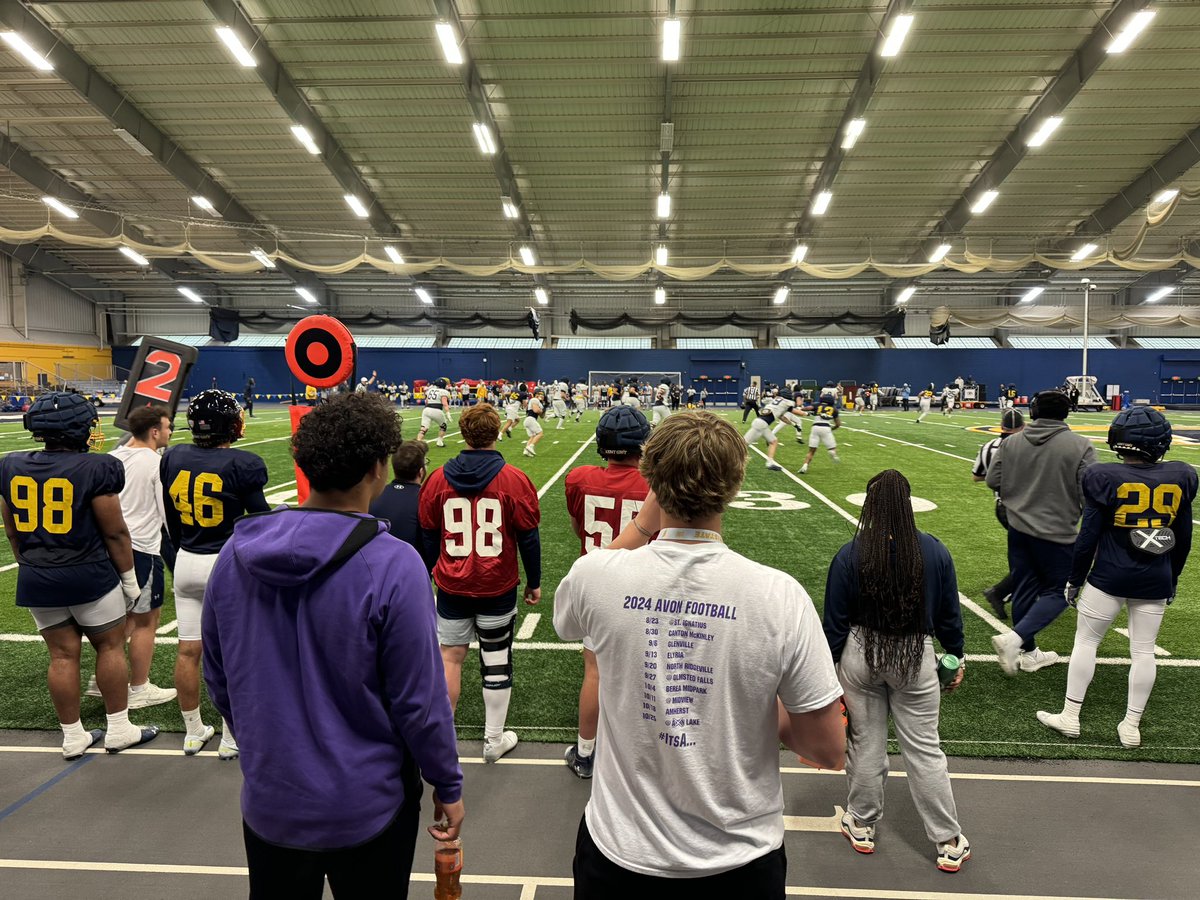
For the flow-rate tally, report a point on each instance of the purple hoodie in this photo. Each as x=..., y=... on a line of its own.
x=330, y=676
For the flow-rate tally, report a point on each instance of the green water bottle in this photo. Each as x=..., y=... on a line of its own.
x=947, y=668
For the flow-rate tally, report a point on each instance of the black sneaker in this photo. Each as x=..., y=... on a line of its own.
x=580, y=765
x=996, y=603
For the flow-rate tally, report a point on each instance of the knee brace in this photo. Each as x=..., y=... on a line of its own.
x=495, y=656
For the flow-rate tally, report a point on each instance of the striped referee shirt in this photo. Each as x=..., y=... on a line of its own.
x=986, y=454
x=750, y=393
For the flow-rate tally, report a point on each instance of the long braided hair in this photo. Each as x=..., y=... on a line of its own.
x=890, y=602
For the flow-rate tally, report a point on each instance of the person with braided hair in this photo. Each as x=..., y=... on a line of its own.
x=888, y=592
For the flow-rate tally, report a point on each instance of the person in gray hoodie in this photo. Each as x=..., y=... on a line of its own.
x=1037, y=475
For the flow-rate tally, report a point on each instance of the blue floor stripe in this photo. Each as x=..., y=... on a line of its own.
x=45, y=786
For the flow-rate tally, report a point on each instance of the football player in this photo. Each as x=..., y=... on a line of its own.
x=947, y=400
x=580, y=397
x=482, y=513
x=558, y=399
x=533, y=429
x=1134, y=541
x=773, y=408
x=62, y=516
x=924, y=402
x=601, y=501
x=512, y=414
x=632, y=396
x=825, y=423
x=207, y=485
x=437, y=410
x=662, y=397
x=791, y=417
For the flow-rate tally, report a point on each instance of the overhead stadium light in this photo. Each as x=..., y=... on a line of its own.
x=1164, y=197
x=542, y=297
x=660, y=255
x=854, y=128
x=939, y=253
x=1032, y=294
x=1160, y=293
x=305, y=294
x=896, y=36
x=191, y=295
x=230, y=39
x=1083, y=252
x=356, y=206
x=986, y=199
x=483, y=137
x=799, y=253
x=393, y=254
x=205, y=204
x=424, y=295
x=510, y=209
x=527, y=256
x=905, y=295
x=670, y=45
x=449, y=41
x=821, y=203
x=664, y=205
x=261, y=255
x=304, y=136
x=59, y=207
x=23, y=49
x=781, y=294
x=1044, y=131
x=1135, y=26
x=660, y=296
x=132, y=254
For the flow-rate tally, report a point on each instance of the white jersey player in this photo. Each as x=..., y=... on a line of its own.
x=437, y=410
x=924, y=402
x=792, y=417
x=580, y=398
x=771, y=410
x=662, y=399
x=512, y=413
x=632, y=398
x=559, y=391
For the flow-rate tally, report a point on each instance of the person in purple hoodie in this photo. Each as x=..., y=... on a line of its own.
x=321, y=649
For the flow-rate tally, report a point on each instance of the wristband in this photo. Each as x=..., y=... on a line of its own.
x=129, y=583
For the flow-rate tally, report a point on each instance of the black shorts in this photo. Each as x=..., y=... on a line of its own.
x=458, y=606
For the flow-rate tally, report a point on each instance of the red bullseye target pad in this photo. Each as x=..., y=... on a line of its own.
x=320, y=351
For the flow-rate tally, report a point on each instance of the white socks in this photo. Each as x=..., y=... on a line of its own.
x=227, y=737
x=495, y=711
x=1071, y=710
x=118, y=722
x=192, y=721
x=72, y=731
x=585, y=747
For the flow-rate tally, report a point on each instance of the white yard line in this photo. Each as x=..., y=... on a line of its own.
x=888, y=437
x=528, y=625
x=565, y=466
x=1158, y=651
x=168, y=628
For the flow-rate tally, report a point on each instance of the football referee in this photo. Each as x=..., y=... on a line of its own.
x=749, y=401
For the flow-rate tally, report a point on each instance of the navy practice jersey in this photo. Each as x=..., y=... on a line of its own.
x=62, y=555
x=1120, y=497
x=205, y=490
x=824, y=411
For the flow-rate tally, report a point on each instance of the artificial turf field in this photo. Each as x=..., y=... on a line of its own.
x=794, y=523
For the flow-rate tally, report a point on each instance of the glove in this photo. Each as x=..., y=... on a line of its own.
x=1071, y=594
x=129, y=586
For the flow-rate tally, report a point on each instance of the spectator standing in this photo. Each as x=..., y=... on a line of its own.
x=320, y=644
x=400, y=501
x=888, y=591
x=700, y=813
x=248, y=397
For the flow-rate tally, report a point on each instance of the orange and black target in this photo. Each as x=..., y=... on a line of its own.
x=320, y=351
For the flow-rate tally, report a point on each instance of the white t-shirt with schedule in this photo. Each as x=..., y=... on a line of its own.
x=693, y=642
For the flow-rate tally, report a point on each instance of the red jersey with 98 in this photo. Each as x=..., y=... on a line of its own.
x=478, y=553
x=603, y=500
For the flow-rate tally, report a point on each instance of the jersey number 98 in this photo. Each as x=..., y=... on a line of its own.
x=57, y=496
x=484, y=535
x=194, y=506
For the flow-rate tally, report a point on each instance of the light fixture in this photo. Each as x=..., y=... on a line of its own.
x=205, y=204
x=449, y=41
x=799, y=253
x=1032, y=294
x=1083, y=252
x=230, y=39
x=58, y=206
x=1135, y=26
x=1164, y=197
x=905, y=295
x=985, y=200
x=527, y=256
x=483, y=137
x=670, y=45
x=896, y=35
x=1160, y=293
x=132, y=254
x=261, y=255
x=393, y=254
x=1044, y=131
x=660, y=296
x=510, y=209
x=660, y=255
x=939, y=253
x=542, y=297
x=854, y=128
x=821, y=203
x=191, y=295
x=424, y=296
x=22, y=48
x=664, y=205
x=781, y=294
x=305, y=294
x=356, y=206
x=304, y=136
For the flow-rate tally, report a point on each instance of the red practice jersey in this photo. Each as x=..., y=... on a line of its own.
x=603, y=500
x=478, y=553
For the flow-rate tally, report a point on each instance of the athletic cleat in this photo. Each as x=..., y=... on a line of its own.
x=1060, y=723
x=529, y=451
x=804, y=469
x=1129, y=734
x=75, y=749
x=996, y=603
x=1037, y=658
x=92, y=689
x=580, y=765
x=493, y=750
x=953, y=854
x=194, y=743
x=227, y=751
x=150, y=695
x=774, y=466
x=836, y=460
x=861, y=837
x=1008, y=651
x=441, y=443
x=131, y=738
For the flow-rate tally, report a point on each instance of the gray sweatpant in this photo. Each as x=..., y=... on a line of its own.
x=914, y=708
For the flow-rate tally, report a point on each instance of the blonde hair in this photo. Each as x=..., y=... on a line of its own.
x=479, y=425
x=695, y=463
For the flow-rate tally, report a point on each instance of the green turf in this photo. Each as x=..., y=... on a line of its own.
x=991, y=716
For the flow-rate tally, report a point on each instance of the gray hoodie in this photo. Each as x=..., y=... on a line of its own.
x=1037, y=475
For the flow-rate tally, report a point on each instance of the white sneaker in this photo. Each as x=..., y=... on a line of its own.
x=227, y=750
x=953, y=854
x=1129, y=734
x=194, y=743
x=441, y=443
x=493, y=750
x=1060, y=723
x=92, y=689
x=774, y=466
x=1037, y=658
x=150, y=695
x=861, y=837
x=529, y=451
x=1008, y=650
x=804, y=469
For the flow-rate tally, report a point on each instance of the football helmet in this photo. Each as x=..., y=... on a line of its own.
x=215, y=417
x=62, y=415
x=621, y=432
x=1140, y=431
x=442, y=382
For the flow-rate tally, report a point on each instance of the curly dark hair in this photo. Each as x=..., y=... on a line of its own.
x=337, y=443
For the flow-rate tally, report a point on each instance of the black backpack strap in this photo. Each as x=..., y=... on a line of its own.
x=363, y=533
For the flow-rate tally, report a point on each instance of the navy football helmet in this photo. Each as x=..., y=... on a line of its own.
x=63, y=416
x=1140, y=431
x=215, y=417
x=621, y=432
